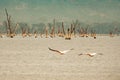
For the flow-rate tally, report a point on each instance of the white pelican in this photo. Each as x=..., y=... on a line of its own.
x=90, y=54
x=60, y=52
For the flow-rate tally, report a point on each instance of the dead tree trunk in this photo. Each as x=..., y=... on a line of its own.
x=54, y=28
x=8, y=24
x=68, y=37
x=111, y=33
x=63, y=29
x=23, y=32
x=58, y=32
x=52, y=32
x=35, y=34
x=46, y=31
x=10, y=30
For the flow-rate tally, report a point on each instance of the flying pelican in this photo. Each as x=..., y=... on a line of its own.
x=60, y=52
x=90, y=54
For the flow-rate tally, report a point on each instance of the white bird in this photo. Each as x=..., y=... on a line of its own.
x=60, y=52
x=90, y=54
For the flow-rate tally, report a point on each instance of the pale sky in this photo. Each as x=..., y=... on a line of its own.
x=35, y=11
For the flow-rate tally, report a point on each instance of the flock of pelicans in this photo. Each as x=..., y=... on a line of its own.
x=65, y=51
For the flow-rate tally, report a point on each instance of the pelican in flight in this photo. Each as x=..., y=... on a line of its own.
x=60, y=52
x=90, y=54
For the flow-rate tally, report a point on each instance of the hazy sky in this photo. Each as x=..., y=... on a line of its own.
x=35, y=11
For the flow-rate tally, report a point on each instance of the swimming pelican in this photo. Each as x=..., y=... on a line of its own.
x=90, y=54
x=60, y=52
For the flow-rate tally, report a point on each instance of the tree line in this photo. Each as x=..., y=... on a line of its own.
x=61, y=29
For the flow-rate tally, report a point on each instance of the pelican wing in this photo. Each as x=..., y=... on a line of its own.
x=65, y=51
x=89, y=54
x=55, y=50
x=93, y=53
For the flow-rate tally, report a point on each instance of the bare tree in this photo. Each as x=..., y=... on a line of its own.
x=10, y=29
x=58, y=31
x=93, y=34
x=29, y=33
x=46, y=31
x=35, y=33
x=24, y=32
x=68, y=36
x=63, y=30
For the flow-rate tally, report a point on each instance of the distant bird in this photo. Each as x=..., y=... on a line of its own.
x=60, y=52
x=90, y=54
